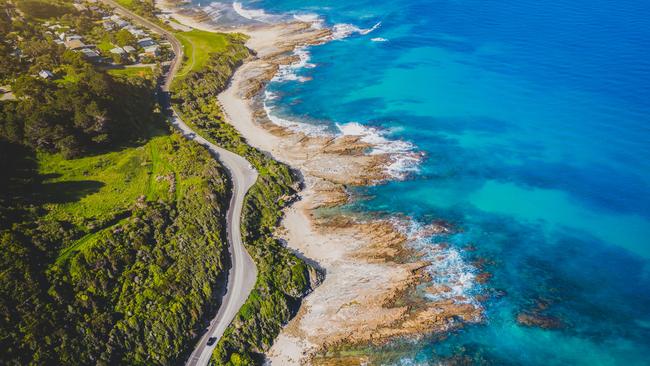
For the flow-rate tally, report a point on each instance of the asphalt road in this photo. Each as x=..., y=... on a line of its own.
x=243, y=273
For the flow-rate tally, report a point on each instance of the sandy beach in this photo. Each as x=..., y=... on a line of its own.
x=369, y=266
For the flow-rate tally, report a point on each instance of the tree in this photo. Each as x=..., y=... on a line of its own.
x=125, y=38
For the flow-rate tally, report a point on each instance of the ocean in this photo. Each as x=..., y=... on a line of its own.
x=525, y=126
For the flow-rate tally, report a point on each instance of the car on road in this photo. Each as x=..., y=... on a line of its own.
x=211, y=340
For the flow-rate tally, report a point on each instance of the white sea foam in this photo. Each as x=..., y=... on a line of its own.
x=404, y=159
x=344, y=30
x=379, y=39
x=289, y=72
x=252, y=14
x=315, y=19
x=448, y=269
x=296, y=126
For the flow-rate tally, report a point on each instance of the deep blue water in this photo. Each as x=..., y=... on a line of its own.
x=534, y=118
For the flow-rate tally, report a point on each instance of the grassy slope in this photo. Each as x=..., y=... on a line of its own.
x=126, y=3
x=198, y=46
x=141, y=71
x=105, y=186
x=97, y=195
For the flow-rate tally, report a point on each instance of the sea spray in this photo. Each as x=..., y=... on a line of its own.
x=451, y=275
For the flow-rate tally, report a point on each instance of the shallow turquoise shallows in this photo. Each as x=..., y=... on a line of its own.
x=534, y=119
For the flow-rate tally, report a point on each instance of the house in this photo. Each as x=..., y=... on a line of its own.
x=45, y=74
x=152, y=50
x=58, y=41
x=108, y=25
x=146, y=42
x=119, y=22
x=128, y=49
x=75, y=44
x=135, y=31
x=73, y=37
x=91, y=55
x=118, y=51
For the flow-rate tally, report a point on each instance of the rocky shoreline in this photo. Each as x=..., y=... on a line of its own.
x=370, y=268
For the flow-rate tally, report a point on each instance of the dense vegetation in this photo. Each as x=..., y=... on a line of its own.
x=44, y=8
x=283, y=278
x=112, y=242
x=146, y=8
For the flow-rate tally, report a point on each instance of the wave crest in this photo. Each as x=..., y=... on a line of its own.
x=404, y=159
x=452, y=277
x=252, y=14
x=344, y=30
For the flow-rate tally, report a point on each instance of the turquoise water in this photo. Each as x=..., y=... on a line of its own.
x=533, y=119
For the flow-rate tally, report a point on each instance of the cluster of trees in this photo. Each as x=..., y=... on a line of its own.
x=82, y=110
x=138, y=290
x=145, y=8
x=86, y=110
x=283, y=278
x=45, y=8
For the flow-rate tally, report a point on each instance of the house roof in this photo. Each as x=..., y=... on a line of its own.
x=45, y=74
x=74, y=44
x=89, y=53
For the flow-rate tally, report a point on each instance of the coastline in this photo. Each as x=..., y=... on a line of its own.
x=369, y=265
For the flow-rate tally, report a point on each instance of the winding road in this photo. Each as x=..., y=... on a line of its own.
x=243, y=273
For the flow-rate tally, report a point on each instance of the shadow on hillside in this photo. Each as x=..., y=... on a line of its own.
x=66, y=192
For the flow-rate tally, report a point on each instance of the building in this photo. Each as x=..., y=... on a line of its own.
x=73, y=37
x=75, y=44
x=118, y=51
x=135, y=31
x=152, y=50
x=91, y=55
x=45, y=74
x=108, y=25
x=146, y=42
x=128, y=49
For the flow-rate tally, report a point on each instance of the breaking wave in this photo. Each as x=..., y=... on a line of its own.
x=289, y=72
x=344, y=30
x=296, y=126
x=252, y=14
x=452, y=277
x=404, y=159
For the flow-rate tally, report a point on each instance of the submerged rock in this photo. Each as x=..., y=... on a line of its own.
x=532, y=319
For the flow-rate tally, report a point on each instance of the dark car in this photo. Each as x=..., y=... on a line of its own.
x=211, y=340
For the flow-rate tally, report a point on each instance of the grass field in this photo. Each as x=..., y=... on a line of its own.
x=95, y=189
x=97, y=192
x=198, y=45
x=125, y=3
x=105, y=45
x=143, y=72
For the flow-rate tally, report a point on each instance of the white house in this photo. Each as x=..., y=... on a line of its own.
x=118, y=51
x=73, y=37
x=45, y=74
